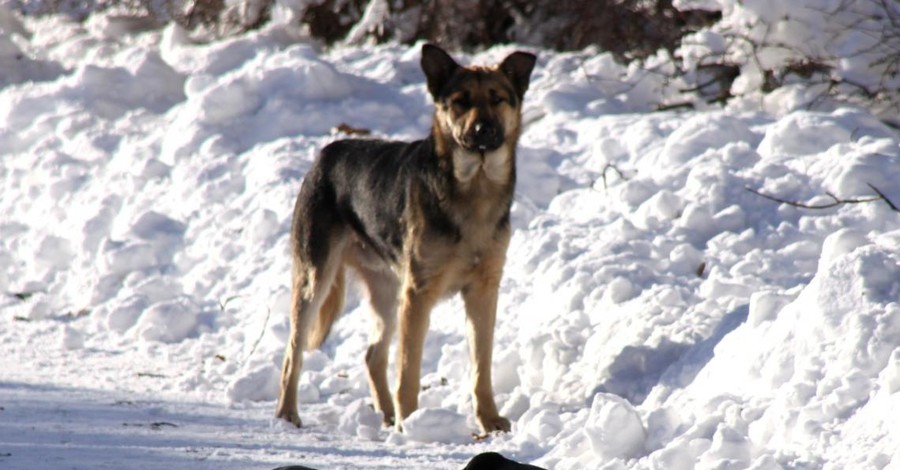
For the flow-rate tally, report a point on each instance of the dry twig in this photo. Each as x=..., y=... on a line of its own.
x=608, y=167
x=836, y=201
x=260, y=337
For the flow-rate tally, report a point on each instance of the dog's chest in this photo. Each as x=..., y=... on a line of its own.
x=478, y=213
x=495, y=166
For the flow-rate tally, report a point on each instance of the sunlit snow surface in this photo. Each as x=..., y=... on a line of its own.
x=654, y=312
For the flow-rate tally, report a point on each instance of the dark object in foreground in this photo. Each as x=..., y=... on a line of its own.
x=485, y=461
x=495, y=461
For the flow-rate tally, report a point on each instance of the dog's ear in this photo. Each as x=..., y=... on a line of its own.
x=438, y=67
x=517, y=67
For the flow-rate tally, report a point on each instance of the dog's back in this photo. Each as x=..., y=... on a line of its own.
x=361, y=185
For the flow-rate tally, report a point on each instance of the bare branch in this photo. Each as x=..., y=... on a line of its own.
x=260, y=337
x=607, y=168
x=883, y=197
x=836, y=200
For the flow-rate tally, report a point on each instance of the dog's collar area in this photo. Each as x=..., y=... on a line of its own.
x=480, y=149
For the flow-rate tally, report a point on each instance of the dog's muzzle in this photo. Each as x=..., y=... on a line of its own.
x=484, y=136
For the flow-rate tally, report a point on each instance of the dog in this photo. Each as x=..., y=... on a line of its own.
x=418, y=222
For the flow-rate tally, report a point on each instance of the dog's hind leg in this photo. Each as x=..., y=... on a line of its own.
x=329, y=312
x=383, y=288
x=311, y=286
x=302, y=308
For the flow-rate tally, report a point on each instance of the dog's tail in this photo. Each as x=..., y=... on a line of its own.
x=328, y=314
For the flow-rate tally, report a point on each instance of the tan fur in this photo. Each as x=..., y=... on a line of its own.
x=328, y=313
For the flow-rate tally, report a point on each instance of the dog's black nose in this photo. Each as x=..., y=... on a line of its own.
x=486, y=136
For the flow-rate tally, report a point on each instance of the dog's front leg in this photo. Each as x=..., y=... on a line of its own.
x=480, y=298
x=414, y=317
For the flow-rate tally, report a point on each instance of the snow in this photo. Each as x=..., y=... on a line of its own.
x=654, y=313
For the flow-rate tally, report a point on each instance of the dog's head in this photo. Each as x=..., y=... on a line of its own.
x=480, y=107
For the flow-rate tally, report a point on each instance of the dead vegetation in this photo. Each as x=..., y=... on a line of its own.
x=630, y=30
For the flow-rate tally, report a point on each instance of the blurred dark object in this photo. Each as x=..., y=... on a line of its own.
x=495, y=461
x=485, y=461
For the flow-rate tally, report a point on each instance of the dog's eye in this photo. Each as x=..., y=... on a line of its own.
x=497, y=100
x=462, y=102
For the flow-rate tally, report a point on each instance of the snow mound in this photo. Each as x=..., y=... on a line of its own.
x=437, y=425
x=774, y=369
x=614, y=428
x=362, y=420
x=169, y=322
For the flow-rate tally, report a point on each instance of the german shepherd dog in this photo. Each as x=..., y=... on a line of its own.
x=418, y=222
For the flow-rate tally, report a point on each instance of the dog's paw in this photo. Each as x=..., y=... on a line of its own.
x=491, y=424
x=290, y=416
